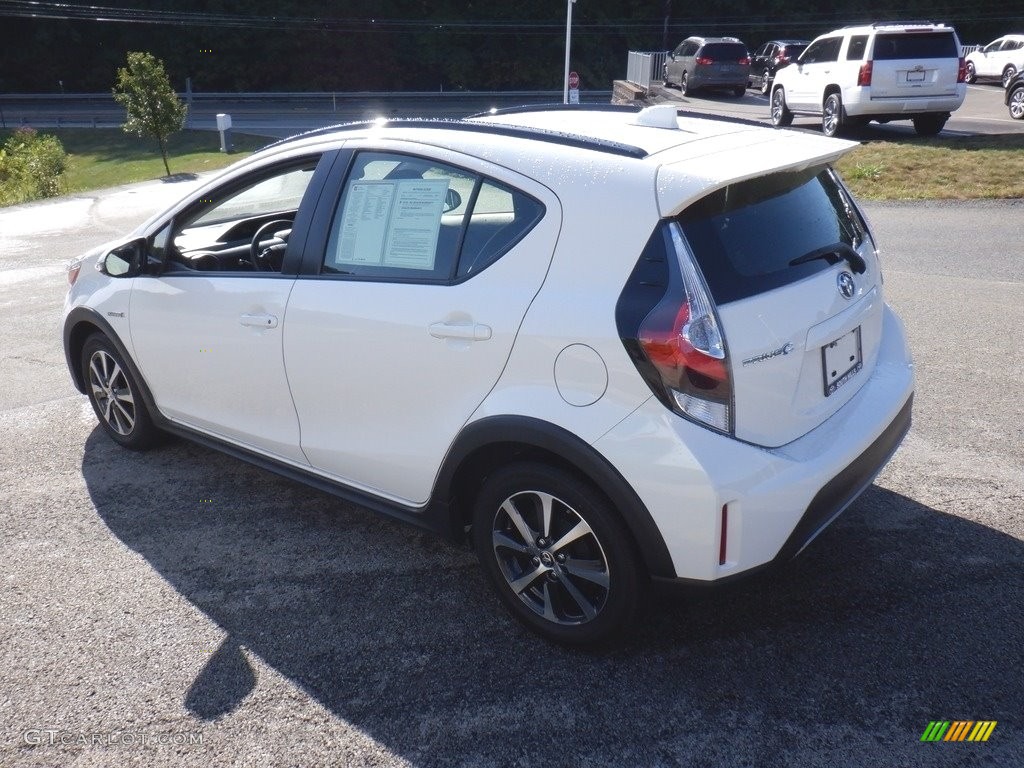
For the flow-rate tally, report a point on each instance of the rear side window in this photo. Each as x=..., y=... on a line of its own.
x=407, y=218
x=855, y=50
x=916, y=45
x=724, y=51
x=745, y=235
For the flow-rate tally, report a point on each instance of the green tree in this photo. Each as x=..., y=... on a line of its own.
x=153, y=108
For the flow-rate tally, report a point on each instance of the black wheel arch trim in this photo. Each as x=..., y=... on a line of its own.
x=80, y=316
x=529, y=432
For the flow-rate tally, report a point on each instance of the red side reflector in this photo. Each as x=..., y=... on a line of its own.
x=725, y=534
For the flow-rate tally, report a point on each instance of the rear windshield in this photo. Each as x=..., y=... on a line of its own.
x=744, y=236
x=723, y=51
x=916, y=45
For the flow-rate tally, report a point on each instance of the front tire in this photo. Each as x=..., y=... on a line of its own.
x=832, y=115
x=115, y=395
x=971, y=75
x=1016, y=104
x=1008, y=74
x=684, y=85
x=781, y=116
x=557, y=554
x=766, y=83
x=929, y=125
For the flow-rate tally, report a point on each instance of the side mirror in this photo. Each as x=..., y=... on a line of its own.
x=124, y=260
x=452, y=200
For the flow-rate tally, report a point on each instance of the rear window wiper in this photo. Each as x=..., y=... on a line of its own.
x=833, y=254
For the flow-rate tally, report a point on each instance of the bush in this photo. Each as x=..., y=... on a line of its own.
x=31, y=167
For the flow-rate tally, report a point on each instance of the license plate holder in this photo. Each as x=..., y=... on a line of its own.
x=841, y=360
x=915, y=76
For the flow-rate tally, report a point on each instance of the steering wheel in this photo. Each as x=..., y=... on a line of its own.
x=261, y=258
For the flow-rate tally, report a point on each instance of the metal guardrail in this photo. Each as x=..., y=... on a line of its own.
x=965, y=49
x=645, y=67
x=96, y=110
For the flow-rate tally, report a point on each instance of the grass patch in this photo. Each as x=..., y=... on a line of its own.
x=946, y=168
x=106, y=157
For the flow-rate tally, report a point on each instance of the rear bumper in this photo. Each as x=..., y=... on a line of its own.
x=861, y=103
x=778, y=500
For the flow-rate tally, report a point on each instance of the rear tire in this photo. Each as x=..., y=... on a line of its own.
x=557, y=555
x=929, y=125
x=684, y=85
x=739, y=91
x=781, y=116
x=971, y=75
x=115, y=395
x=832, y=115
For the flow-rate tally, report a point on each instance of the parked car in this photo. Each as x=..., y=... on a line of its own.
x=770, y=57
x=999, y=60
x=708, y=62
x=602, y=345
x=878, y=72
x=1015, y=96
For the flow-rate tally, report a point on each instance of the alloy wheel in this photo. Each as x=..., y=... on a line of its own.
x=115, y=401
x=550, y=558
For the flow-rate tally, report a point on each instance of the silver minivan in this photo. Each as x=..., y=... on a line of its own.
x=708, y=62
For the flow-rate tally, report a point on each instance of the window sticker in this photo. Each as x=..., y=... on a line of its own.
x=391, y=223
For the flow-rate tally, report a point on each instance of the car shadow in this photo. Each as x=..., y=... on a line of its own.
x=899, y=614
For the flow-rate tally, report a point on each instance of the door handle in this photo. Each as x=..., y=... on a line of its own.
x=258, y=321
x=467, y=332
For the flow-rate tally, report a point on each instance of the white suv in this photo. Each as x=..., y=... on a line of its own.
x=880, y=72
x=999, y=60
x=602, y=345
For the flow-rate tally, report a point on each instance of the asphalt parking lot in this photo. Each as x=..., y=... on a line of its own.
x=180, y=607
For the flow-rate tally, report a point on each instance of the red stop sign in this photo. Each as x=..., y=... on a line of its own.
x=574, y=80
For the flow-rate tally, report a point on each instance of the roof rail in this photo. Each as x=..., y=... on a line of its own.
x=913, y=23
x=617, y=108
x=497, y=129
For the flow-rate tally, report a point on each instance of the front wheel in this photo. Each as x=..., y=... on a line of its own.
x=1008, y=74
x=832, y=115
x=781, y=116
x=684, y=84
x=971, y=74
x=115, y=395
x=557, y=554
x=766, y=83
x=1016, y=103
x=929, y=125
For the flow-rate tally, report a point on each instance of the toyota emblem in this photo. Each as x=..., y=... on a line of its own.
x=846, y=286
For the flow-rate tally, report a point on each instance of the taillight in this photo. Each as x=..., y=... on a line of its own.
x=864, y=75
x=681, y=339
x=745, y=61
x=961, y=73
x=73, y=270
x=705, y=60
x=781, y=59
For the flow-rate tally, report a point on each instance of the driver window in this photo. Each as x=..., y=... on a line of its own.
x=244, y=226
